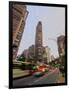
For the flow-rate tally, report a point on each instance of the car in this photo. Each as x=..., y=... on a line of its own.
x=39, y=71
x=37, y=74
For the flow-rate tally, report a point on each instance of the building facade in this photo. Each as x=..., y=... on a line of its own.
x=19, y=19
x=48, y=54
x=31, y=53
x=44, y=55
x=52, y=58
x=61, y=49
x=25, y=53
x=61, y=45
x=38, y=42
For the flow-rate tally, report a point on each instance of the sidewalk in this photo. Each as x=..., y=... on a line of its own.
x=61, y=79
x=18, y=73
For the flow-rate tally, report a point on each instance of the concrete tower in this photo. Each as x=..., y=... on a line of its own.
x=38, y=42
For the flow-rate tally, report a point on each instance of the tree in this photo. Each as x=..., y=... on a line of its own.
x=21, y=58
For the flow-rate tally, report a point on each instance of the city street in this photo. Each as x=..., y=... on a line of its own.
x=38, y=48
x=47, y=78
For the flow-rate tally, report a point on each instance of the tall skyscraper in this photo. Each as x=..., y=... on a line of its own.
x=38, y=42
x=19, y=18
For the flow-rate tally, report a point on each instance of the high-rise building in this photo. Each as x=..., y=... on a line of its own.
x=19, y=18
x=25, y=53
x=38, y=42
x=31, y=53
x=61, y=45
x=44, y=55
x=52, y=58
x=48, y=54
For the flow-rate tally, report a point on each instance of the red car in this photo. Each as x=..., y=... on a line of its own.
x=39, y=71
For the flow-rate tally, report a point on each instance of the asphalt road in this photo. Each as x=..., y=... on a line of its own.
x=47, y=78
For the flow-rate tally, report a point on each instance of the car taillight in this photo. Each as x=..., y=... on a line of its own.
x=43, y=69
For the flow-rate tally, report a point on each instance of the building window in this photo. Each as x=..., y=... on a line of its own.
x=39, y=40
x=16, y=42
x=14, y=50
x=39, y=53
x=22, y=26
x=39, y=47
x=16, y=15
x=19, y=33
x=18, y=37
x=39, y=50
x=39, y=35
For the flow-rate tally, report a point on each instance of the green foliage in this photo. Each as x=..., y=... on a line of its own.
x=34, y=68
x=26, y=66
x=21, y=58
x=30, y=66
x=23, y=66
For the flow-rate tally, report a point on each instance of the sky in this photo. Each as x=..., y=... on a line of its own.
x=53, y=25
